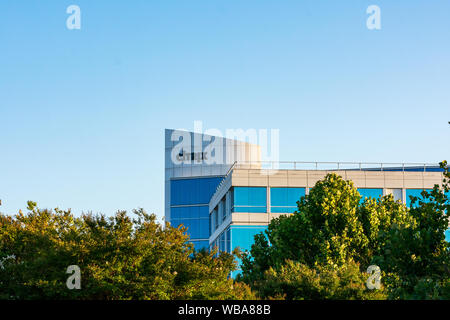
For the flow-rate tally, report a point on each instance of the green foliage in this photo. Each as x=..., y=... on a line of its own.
x=330, y=227
x=119, y=258
x=296, y=281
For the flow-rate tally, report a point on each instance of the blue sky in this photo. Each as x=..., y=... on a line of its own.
x=83, y=112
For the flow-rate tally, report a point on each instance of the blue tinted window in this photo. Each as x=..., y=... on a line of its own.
x=222, y=242
x=196, y=228
x=204, y=244
x=370, y=193
x=447, y=235
x=192, y=191
x=243, y=237
x=284, y=200
x=414, y=193
x=194, y=212
x=250, y=199
x=283, y=209
x=234, y=274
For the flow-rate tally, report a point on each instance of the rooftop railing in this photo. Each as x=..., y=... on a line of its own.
x=330, y=166
x=333, y=166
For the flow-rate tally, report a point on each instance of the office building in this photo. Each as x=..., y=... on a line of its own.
x=195, y=164
x=224, y=205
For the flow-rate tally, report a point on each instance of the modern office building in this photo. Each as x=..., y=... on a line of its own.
x=225, y=205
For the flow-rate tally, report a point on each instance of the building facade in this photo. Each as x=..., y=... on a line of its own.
x=226, y=202
x=195, y=164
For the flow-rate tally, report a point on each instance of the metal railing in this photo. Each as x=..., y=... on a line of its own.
x=335, y=166
x=225, y=177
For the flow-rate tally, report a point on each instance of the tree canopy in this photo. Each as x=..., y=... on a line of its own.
x=119, y=258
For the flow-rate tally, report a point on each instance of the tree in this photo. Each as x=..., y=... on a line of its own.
x=119, y=258
x=296, y=281
x=417, y=259
x=330, y=226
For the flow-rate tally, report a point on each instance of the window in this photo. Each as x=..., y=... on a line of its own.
x=249, y=199
x=397, y=193
x=200, y=244
x=191, y=212
x=222, y=242
x=216, y=218
x=225, y=208
x=228, y=243
x=189, y=200
x=192, y=191
x=213, y=221
x=195, y=218
x=243, y=237
x=284, y=200
x=222, y=214
x=196, y=228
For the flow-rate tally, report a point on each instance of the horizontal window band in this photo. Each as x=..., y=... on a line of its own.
x=189, y=205
x=193, y=177
x=283, y=206
x=178, y=219
x=248, y=206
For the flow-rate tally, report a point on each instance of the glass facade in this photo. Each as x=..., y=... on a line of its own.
x=281, y=200
x=202, y=244
x=414, y=193
x=220, y=212
x=397, y=193
x=249, y=199
x=189, y=212
x=223, y=241
x=284, y=200
x=243, y=237
x=370, y=193
x=196, y=228
x=189, y=200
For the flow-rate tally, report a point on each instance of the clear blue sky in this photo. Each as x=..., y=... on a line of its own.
x=83, y=112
